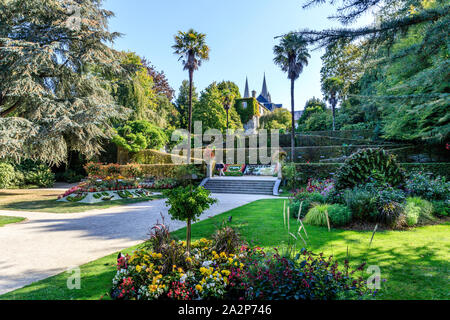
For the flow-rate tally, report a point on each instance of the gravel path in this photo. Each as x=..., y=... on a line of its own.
x=47, y=244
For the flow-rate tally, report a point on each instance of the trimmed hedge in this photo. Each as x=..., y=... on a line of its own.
x=158, y=171
x=437, y=169
x=328, y=170
x=150, y=156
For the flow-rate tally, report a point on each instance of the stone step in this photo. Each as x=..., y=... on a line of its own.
x=237, y=190
x=269, y=193
x=239, y=186
x=241, y=183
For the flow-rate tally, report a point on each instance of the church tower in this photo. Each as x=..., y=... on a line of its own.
x=264, y=91
x=246, y=92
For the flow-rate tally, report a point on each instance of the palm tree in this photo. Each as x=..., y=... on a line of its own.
x=228, y=100
x=292, y=55
x=332, y=88
x=192, y=49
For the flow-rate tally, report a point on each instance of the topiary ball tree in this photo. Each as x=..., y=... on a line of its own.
x=187, y=204
x=372, y=164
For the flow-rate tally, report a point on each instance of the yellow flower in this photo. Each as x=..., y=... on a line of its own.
x=138, y=268
x=188, y=259
x=199, y=288
x=180, y=270
x=226, y=272
x=223, y=254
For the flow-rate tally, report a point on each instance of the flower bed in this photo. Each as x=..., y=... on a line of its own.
x=97, y=189
x=101, y=196
x=161, y=270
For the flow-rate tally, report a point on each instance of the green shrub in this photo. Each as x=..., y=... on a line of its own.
x=426, y=209
x=35, y=173
x=291, y=176
x=412, y=213
x=441, y=208
x=362, y=204
x=339, y=215
x=71, y=176
x=41, y=176
x=427, y=187
x=317, y=215
x=436, y=168
x=7, y=175
x=368, y=165
x=306, y=200
x=137, y=135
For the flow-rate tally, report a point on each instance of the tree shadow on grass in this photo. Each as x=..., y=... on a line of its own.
x=53, y=206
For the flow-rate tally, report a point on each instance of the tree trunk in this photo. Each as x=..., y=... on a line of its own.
x=333, y=106
x=227, y=119
x=188, y=237
x=191, y=76
x=293, y=122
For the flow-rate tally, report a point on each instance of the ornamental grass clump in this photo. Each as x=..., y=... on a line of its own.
x=318, y=216
x=424, y=207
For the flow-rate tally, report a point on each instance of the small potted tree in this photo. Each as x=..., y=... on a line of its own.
x=187, y=204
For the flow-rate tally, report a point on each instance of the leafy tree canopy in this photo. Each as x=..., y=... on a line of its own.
x=50, y=101
x=278, y=119
x=138, y=135
x=313, y=105
x=182, y=103
x=402, y=86
x=210, y=110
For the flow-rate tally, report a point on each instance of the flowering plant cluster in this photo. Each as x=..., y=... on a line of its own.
x=324, y=187
x=204, y=274
x=96, y=184
x=271, y=276
x=161, y=184
x=76, y=189
x=423, y=185
x=247, y=274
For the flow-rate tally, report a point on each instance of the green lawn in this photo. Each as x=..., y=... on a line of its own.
x=7, y=220
x=415, y=263
x=45, y=201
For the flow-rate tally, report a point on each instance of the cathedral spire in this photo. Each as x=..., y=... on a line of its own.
x=246, y=92
x=264, y=91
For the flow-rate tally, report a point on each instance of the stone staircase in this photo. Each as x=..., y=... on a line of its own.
x=242, y=186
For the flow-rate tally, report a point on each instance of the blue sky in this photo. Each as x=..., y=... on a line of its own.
x=239, y=33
